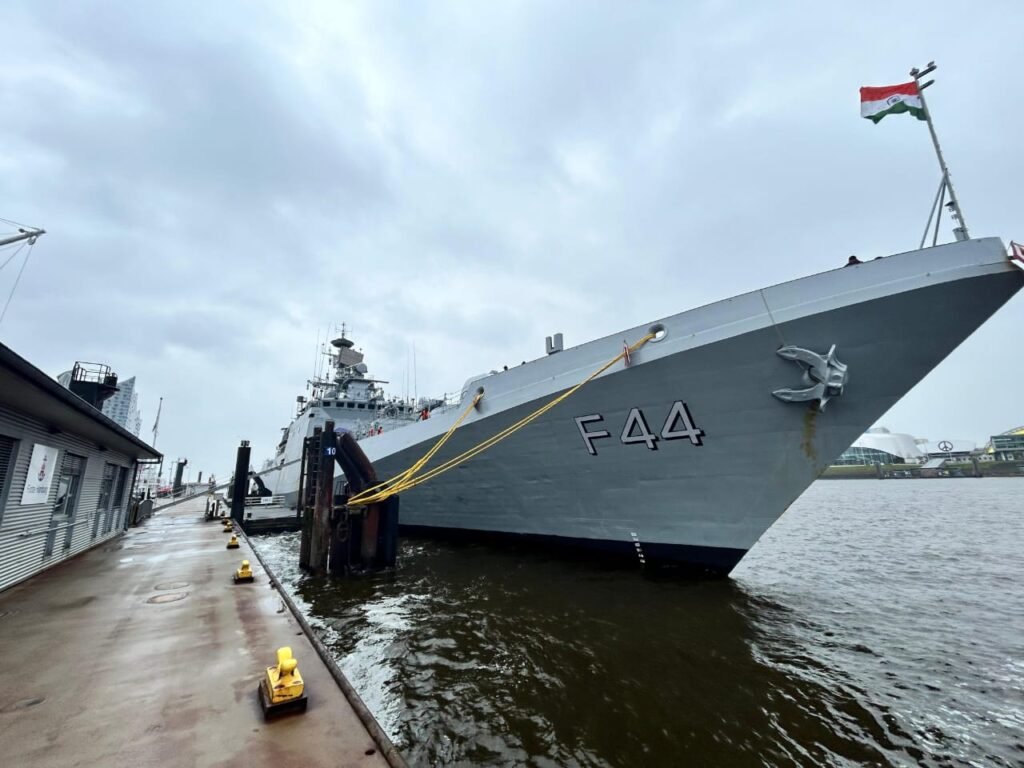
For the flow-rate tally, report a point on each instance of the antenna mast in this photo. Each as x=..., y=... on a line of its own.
x=24, y=233
x=960, y=230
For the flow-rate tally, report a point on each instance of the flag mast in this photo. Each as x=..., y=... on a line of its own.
x=156, y=426
x=960, y=231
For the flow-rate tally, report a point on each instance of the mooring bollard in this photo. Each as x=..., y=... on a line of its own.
x=281, y=690
x=244, y=574
x=233, y=542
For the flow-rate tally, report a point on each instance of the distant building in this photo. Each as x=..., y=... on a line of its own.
x=122, y=406
x=1008, y=446
x=950, y=449
x=880, y=446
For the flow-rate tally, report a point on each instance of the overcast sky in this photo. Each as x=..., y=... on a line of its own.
x=222, y=181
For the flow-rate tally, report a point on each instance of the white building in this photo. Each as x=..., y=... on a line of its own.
x=123, y=406
x=879, y=445
x=66, y=475
x=952, y=448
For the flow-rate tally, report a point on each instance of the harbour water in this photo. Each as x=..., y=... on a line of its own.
x=877, y=623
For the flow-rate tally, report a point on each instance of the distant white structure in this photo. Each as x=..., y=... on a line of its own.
x=940, y=449
x=879, y=445
x=123, y=406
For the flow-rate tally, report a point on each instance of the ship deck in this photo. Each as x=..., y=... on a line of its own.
x=269, y=518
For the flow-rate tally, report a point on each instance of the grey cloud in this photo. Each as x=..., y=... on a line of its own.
x=220, y=181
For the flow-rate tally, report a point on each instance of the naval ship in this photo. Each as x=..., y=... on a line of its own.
x=706, y=426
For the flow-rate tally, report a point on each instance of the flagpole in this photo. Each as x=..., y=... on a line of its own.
x=156, y=425
x=960, y=232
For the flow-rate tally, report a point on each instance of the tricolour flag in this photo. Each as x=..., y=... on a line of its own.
x=876, y=103
x=1017, y=251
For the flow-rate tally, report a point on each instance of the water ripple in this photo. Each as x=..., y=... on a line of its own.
x=878, y=623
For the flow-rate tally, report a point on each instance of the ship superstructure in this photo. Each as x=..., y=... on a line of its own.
x=352, y=398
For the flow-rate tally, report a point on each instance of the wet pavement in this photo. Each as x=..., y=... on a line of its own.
x=144, y=652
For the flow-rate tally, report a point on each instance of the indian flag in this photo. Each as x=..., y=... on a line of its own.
x=876, y=103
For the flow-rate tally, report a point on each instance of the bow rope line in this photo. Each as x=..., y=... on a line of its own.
x=408, y=480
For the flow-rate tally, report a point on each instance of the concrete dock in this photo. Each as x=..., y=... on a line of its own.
x=143, y=652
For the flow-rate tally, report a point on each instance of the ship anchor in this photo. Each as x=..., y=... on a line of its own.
x=824, y=376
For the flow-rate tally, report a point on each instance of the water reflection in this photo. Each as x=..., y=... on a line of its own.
x=480, y=655
x=507, y=658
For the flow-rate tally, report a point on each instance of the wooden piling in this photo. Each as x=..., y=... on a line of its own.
x=241, y=485
x=338, y=563
x=368, y=546
x=300, y=499
x=311, y=452
x=320, y=541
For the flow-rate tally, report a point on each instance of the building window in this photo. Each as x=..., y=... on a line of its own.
x=117, y=508
x=1008, y=442
x=62, y=519
x=122, y=481
x=869, y=456
x=8, y=446
x=106, y=497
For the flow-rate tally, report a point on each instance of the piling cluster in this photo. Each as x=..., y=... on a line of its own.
x=339, y=538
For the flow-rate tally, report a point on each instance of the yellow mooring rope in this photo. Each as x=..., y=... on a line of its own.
x=368, y=495
x=407, y=479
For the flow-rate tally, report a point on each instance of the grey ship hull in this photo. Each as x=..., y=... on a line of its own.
x=671, y=500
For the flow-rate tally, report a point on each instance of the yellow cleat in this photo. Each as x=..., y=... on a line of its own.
x=281, y=690
x=244, y=574
x=233, y=543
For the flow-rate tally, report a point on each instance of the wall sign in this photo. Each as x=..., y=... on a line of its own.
x=42, y=466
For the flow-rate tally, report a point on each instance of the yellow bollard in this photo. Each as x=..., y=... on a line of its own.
x=244, y=574
x=233, y=543
x=281, y=690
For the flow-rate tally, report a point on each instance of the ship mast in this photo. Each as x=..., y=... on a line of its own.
x=25, y=236
x=30, y=234
x=959, y=231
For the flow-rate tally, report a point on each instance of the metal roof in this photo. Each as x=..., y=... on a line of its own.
x=28, y=390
